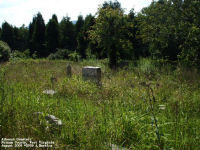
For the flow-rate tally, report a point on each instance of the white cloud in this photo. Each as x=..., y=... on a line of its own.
x=18, y=12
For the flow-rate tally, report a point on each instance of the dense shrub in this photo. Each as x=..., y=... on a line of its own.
x=20, y=55
x=74, y=56
x=4, y=51
x=60, y=54
x=64, y=54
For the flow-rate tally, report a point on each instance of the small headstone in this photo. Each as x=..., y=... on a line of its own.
x=69, y=70
x=49, y=92
x=53, y=120
x=50, y=119
x=162, y=107
x=92, y=73
x=53, y=82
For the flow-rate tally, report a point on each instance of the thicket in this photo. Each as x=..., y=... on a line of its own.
x=60, y=54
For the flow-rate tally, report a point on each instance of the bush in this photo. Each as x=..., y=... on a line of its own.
x=146, y=65
x=190, y=54
x=60, y=54
x=27, y=53
x=4, y=51
x=20, y=55
x=74, y=56
x=34, y=55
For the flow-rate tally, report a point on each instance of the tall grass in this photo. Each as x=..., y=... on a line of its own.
x=144, y=107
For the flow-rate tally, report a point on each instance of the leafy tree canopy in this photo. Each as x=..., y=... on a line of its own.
x=109, y=30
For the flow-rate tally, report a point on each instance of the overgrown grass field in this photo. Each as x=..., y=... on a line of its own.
x=146, y=106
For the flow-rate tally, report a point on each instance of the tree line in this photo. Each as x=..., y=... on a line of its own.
x=166, y=29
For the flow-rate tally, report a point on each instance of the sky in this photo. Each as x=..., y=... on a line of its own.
x=19, y=12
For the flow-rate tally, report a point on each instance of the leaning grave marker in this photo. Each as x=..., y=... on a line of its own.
x=69, y=71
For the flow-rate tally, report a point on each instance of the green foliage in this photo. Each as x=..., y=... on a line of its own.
x=60, y=54
x=111, y=4
x=190, y=55
x=7, y=34
x=38, y=35
x=80, y=37
x=4, y=51
x=82, y=44
x=20, y=55
x=83, y=36
x=21, y=38
x=27, y=53
x=93, y=49
x=16, y=37
x=79, y=24
x=147, y=67
x=174, y=36
x=74, y=56
x=108, y=32
x=67, y=33
x=34, y=55
x=52, y=35
x=30, y=34
x=189, y=48
x=115, y=35
x=157, y=29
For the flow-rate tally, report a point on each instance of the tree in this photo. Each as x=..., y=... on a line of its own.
x=23, y=38
x=83, y=37
x=174, y=36
x=16, y=43
x=79, y=24
x=7, y=34
x=110, y=4
x=130, y=35
x=30, y=35
x=81, y=44
x=38, y=37
x=52, y=35
x=108, y=32
x=78, y=33
x=67, y=33
x=20, y=38
x=158, y=29
x=189, y=12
